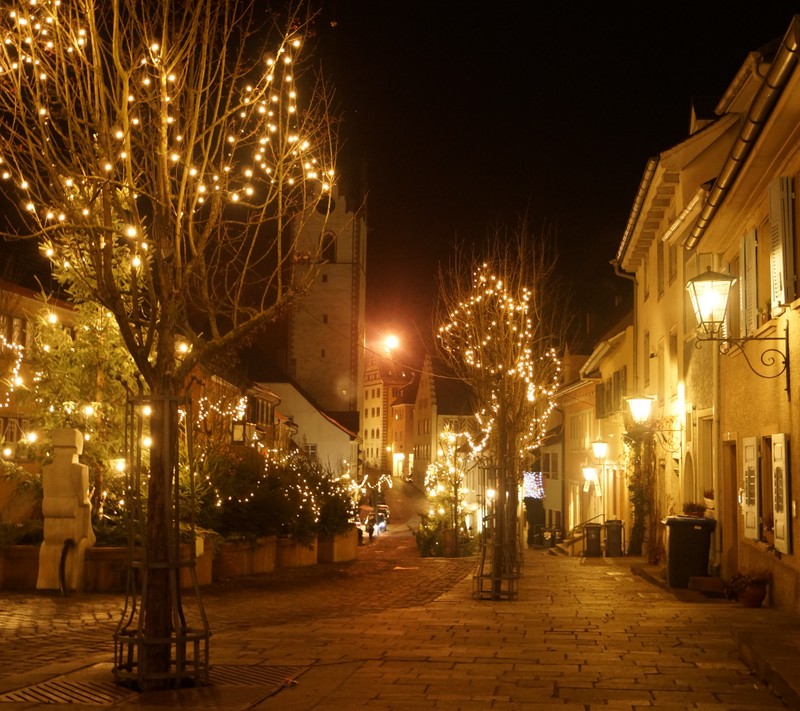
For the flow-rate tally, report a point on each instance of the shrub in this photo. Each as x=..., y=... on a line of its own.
x=30, y=532
x=694, y=508
x=429, y=535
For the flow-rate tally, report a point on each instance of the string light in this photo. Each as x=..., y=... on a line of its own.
x=492, y=332
x=14, y=379
x=40, y=39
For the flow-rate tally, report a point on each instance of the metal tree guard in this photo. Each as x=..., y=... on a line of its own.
x=499, y=563
x=189, y=635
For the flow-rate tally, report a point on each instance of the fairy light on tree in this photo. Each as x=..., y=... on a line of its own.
x=11, y=355
x=78, y=371
x=445, y=484
x=502, y=323
x=165, y=169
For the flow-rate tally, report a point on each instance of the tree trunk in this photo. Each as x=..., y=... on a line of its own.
x=162, y=593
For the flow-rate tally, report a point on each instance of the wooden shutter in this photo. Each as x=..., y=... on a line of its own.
x=750, y=503
x=781, y=221
x=600, y=401
x=748, y=285
x=780, y=492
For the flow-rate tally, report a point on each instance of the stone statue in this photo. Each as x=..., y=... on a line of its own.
x=67, y=514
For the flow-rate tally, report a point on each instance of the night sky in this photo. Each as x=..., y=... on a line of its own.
x=467, y=115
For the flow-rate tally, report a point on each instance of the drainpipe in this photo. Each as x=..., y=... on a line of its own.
x=716, y=443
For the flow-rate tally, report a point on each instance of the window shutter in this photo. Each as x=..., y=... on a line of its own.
x=748, y=292
x=600, y=401
x=781, y=222
x=624, y=387
x=780, y=492
x=750, y=504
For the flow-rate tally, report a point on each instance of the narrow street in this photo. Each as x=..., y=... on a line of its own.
x=393, y=631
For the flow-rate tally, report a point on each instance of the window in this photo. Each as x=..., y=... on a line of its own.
x=645, y=281
x=646, y=356
x=328, y=247
x=765, y=488
x=579, y=430
x=673, y=262
x=18, y=331
x=550, y=465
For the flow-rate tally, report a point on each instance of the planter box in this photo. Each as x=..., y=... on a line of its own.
x=233, y=560
x=339, y=548
x=265, y=555
x=107, y=567
x=19, y=568
x=292, y=554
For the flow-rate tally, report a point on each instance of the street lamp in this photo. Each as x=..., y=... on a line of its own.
x=709, y=294
x=600, y=452
x=640, y=435
x=600, y=449
x=640, y=409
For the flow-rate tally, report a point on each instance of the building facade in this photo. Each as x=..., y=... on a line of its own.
x=384, y=381
x=724, y=202
x=326, y=327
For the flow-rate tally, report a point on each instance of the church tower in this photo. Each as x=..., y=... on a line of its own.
x=326, y=328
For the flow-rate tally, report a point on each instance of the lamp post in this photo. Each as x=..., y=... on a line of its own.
x=639, y=434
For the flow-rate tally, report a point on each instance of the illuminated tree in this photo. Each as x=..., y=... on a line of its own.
x=166, y=161
x=79, y=370
x=502, y=321
x=445, y=482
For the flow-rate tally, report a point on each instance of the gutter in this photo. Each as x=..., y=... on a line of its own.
x=761, y=108
x=638, y=203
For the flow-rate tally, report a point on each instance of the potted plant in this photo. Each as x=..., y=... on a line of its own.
x=708, y=498
x=694, y=508
x=749, y=586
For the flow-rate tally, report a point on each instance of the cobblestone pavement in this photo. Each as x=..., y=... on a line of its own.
x=394, y=631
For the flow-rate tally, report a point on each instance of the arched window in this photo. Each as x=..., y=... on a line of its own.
x=328, y=247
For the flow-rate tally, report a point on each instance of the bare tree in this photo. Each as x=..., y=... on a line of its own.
x=165, y=160
x=502, y=321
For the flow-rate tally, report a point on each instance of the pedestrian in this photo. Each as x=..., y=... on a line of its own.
x=370, y=526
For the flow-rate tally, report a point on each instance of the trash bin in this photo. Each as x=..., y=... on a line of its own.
x=613, y=538
x=592, y=547
x=688, y=545
x=537, y=539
